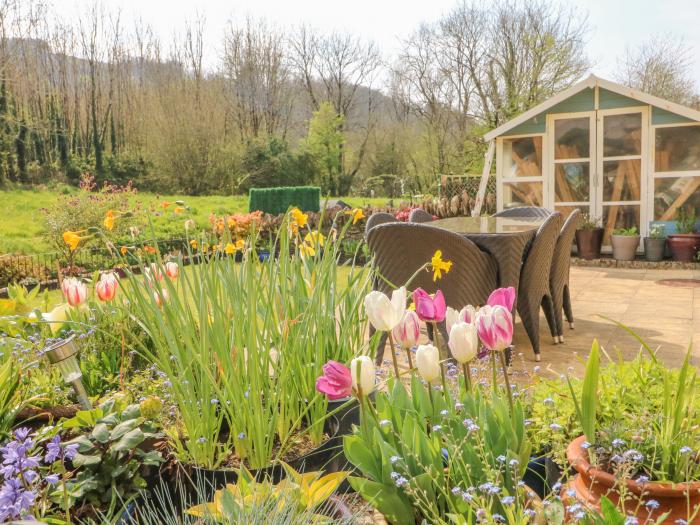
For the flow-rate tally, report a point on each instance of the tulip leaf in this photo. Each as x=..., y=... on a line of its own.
x=385, y=498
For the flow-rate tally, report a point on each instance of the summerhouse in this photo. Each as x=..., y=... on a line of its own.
x=616, y=153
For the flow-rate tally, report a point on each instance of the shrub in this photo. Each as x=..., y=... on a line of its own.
x=279, y=200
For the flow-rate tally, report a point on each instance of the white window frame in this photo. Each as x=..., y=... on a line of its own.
x=501, y=180
x=651, y=194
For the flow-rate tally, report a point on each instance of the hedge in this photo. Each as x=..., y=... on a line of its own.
x=278, y=200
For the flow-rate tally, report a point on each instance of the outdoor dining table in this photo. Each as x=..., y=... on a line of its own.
x=505, y=238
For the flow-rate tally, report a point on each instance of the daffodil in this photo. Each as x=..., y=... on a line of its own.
x=315, y=239
x=194, y=244
x=439, y=265
x=179, y=209
x=230, y=248
x=124, y=250
x=299, y=220
x=72, y=239
x=357, y=215
x=306, y=250
x=240, y=244
x=109, y=220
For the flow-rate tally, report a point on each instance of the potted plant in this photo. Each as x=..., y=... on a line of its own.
x=655, y=243
x=686, y=241
x=624, y=243
x=589, y=238
x=639, y=442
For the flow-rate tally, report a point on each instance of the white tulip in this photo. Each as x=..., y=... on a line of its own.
x=428, y=362
x=451, y=317
x=467, y=314
x=385, y=314
x=464, y=342
x=363, y=374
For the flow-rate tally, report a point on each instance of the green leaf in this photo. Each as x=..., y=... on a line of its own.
x=360, y=455
x=82, y=460
x=386, y=499
x=84, y=444
x=130, y=440
x=152, y=457
x=100, y=433
x=122, y=428
x=84, y=418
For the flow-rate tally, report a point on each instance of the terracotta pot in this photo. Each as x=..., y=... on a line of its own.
x=591, y=484
x=624, y=247
x=588, y=243
x=684, y=246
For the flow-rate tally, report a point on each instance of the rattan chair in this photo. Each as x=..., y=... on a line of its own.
x=376, y=219
x=533, y=290
x=419, y=215
x=400, y=249
x=559, y=275
x=524, y=211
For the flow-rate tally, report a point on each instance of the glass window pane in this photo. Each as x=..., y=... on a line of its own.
x=522, y=157
x=522, y=194
x=622, y=135
x=572, y=182
x=621, y=180
x=566, y=210
x=616, y=216
x=678, y=149
x=670, y=193
x=572, y=138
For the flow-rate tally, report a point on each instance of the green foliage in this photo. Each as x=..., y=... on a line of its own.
x=685, y=220
x=427, y=457
x=279, y=200
x=657, y=231
x=114, y=452
x=269, y=162
x=324, y=142
x=589, y=222
x=626, y=232
x=10, y=396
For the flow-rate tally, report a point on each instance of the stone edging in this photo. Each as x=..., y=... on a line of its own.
x=637, y=264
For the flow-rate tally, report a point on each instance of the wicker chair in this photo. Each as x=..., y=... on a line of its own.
x=376, y=219
x=525, y=212
x=419, y=215
x=400, y=249
x=559, y=275
x=533, y=290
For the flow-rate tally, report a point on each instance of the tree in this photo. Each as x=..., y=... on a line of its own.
x=324, y=143
x=661, y=67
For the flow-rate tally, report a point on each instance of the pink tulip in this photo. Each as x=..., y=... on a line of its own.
x=336, y=381
x=407, y=332
x=153, y=273
x=106, y=287
x=74, y=290
x=430, y=309
x=504, y=297
x=161, y=297
x=494, y=325
x=172, y=270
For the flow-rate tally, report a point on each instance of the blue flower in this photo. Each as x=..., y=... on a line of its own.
x=15, y=500
x=394, y=459
x=617, y=442
x=241, y=435
x=685, y=450
x=652, y=504
x=52, y=479
x=507, y=500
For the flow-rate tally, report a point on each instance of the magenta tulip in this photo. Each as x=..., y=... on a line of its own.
x=504, y=297
x=336, y=381
x=494, y=324
x=430, y=309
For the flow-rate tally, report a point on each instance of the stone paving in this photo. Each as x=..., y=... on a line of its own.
x=666, y=316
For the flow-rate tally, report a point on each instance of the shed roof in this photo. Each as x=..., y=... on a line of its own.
x=590, y=82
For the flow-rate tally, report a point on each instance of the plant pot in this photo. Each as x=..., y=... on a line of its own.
x=684, y=246
x=624, y=247
x=542, y=474
x=589, y=242
x=347, y=416
x=654, y=248
x=590, y=484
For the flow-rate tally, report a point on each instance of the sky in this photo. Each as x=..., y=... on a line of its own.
x=614, y=24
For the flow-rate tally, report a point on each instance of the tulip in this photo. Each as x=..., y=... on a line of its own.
x=74, y=290
x=504, y=297
x=428, y=362
x=153, y=273
x=385, y=314
x=430, y=309
x=464, y=342
x=451, y=317
x=407, y=332
x=106, y=287
x=172, y=270
x=495, y=327
x=467, y=314
x=362, y=371
x=161, y=297
x=336, y=381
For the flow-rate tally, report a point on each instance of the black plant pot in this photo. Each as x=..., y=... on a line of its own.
x=542, y=474
x=654, y=248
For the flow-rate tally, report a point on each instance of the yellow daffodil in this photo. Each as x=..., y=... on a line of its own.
x=314, y=238
x=123, y=250
x=205, y=247
x=240, y=244
x=72, y=239
x=299, y=219
x=230, y=248
x=215, y=247
x=357, y=215
x=439, y=265
x=194, y=244
x=306, y=250
x=109, y=220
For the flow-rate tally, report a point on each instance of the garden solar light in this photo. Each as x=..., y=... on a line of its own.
x=63, y=355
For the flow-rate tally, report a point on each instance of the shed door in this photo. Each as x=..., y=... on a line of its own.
x=620, y=181
x=572, y=147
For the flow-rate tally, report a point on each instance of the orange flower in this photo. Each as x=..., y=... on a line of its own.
x=109, y=220
x=149, y=249
x=123, y=250
x=72, y=239
x=165, y=205
x=179, y=209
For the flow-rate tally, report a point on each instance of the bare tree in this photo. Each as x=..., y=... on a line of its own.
x=660, y=67
x=259, y=89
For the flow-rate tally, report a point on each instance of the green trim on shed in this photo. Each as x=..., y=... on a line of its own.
x=662, y=116
x=611, y=100
x=581, y=101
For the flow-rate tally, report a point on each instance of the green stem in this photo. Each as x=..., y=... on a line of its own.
x=467, y=378
x=393, y=355
x=507, y=381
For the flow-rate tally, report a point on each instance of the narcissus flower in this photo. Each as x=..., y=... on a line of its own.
x=439, y=266
x=109, y=220
x=72, y=239
x=190, y=225
x=357, y=215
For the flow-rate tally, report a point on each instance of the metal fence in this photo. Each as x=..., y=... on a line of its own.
x=43, y=268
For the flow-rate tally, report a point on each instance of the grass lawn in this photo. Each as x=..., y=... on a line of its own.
x=22, y=226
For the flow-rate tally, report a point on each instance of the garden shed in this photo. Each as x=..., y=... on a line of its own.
x=626, y=157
